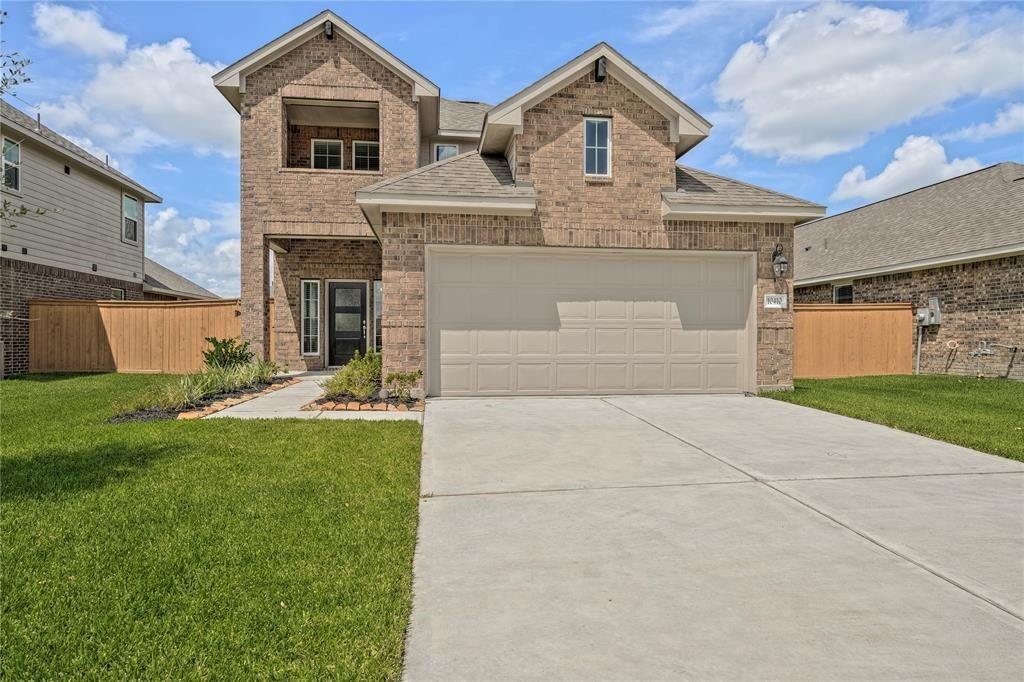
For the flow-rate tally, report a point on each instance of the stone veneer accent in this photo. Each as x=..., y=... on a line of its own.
x=404, y=237
x=980, y=301
x=319, y=259
x=303, y=201
x=21, y=282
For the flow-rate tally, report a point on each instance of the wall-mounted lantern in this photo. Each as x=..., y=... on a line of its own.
x=780, y=266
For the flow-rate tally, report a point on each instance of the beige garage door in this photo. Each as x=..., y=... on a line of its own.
x=506, y=321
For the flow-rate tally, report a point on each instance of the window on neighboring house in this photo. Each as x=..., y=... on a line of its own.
x=12, y=165
x=597, y=148
x=117, y=294
x=130, y=206
x=365, y=156
x=842, y=293
x=326, y=154
x=378, y=314
x=445, y=151
x=310, y=317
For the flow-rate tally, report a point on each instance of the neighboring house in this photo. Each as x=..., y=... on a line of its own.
x=87, y=244
x=164, y=284
x=561, y=251
x=960, y=241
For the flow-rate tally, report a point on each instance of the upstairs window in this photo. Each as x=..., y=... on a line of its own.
x=445, y=151
x=12, y=165
x=597, y=146
x=365, y=156
x=130, y=212
x=842, y=294
x=326, y=154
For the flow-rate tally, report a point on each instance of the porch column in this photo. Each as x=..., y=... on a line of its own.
x=255, y=290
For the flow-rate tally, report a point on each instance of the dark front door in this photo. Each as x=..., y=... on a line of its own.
x=346, y=319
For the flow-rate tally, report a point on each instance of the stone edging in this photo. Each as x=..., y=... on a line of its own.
x=230, y=402
x=353, y=406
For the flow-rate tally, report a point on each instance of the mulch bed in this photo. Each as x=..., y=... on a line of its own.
x=352, y=405
x=207, y=406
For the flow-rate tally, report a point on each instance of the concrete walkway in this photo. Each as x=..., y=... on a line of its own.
x=287, y=404
x=711, y=538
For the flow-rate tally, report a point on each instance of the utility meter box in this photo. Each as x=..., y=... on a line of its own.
x=930, y=315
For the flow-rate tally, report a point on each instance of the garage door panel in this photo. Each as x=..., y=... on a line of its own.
x=536, y=322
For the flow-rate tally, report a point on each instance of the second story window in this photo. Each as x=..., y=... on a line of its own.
x=365, y=156
x=327, y=154
x=130, y=213
x=12, y=165
x=597, y=149
x=445, y=151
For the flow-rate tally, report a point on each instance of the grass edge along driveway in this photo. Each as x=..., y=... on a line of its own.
x=983, y=414
x=199, y=549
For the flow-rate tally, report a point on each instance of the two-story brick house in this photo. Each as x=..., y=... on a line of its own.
x=549, y=244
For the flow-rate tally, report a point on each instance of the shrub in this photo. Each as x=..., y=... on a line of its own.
x=400, y=384
x=360, y=378
x=191, y=389
x=227, y=352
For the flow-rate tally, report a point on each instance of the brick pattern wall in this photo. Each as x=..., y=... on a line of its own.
x=320, y=260
x=405, y=236
x=21, y=282
x=304, y=201
x=982, y=301
x=300, y=138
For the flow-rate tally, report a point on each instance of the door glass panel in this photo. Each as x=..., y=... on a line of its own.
x=348, y=322
x=344, y=298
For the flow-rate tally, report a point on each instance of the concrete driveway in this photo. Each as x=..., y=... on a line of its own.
x=709, y=537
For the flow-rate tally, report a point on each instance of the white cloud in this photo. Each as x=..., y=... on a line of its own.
x=820, y=81
x=919, y=161
x=204, y=249
x=1008, y=120
x=727, y=160
x=673, y=19
x=150, y=96
x=78, y=30
x=167, y=166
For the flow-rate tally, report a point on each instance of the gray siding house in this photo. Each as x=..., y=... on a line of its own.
x=82, y=237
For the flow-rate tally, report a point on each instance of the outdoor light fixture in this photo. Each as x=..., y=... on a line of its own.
x=329, y=30
x=779, y=263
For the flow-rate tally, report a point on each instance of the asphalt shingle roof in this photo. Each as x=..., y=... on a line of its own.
x=159, y=277
x=462, y=116
x=979, y=210
x=695, y=186
x=468, y=174
x=17, y=116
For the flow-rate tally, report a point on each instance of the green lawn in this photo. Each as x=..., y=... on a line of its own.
x=984, y=414
x=202, y=549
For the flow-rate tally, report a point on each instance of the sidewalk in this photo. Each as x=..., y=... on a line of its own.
x=287, y=404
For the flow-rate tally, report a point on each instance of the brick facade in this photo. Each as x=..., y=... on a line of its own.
x=300, y=139
x=318, y=259
x=981, y=301
x=277, y=200
x=21, y=282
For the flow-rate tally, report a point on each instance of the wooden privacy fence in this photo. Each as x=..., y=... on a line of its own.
x=842, y=340
x=126, y=336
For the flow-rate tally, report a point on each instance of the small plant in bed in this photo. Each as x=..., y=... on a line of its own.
x=400, y=385
x=359, y=380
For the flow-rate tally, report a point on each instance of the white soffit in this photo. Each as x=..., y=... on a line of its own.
x=504, y=119
x=231, y=80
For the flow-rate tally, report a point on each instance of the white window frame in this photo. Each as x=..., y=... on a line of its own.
x=839, y=285
x=115, y=297
x=438, y=145
x=373, y=142
x=312, y=153
x=138, y=221
x=302, y=317
x=604, y=119
x=6, y=163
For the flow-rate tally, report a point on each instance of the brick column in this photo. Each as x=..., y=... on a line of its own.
x=255, y=291
x=404, y=302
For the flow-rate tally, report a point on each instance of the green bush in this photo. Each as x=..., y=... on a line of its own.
x=191, y=389
x=400, y=384
x=227, y=352
x=360, y=378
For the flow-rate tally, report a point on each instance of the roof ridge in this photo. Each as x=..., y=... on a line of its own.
x=751, y=185
x=909, y=191
x=416, y=171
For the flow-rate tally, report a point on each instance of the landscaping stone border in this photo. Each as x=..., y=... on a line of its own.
x=354, y=405
x=225, y=403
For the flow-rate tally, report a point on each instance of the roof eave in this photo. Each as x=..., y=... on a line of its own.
x=673, y=208
x=179, y=294
x=392, y=202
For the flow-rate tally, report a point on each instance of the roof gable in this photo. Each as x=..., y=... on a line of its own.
x=231, y=80
x=687, y=127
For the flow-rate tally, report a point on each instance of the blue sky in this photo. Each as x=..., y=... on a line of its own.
x=841, y=103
